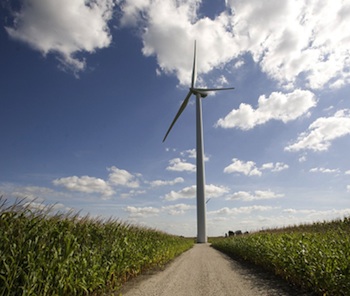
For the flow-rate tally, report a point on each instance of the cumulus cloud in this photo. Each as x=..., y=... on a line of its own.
x=324, y=170
x=85, y=184
x=157, y=183
x=317, y=215
x=241, y=210
x=302, y=158
x=144, y=212
x=274, y=167
x=178, y=209
x=122, y=178
x=247, y=168
x=141, y=212
x=37, y=193
x=180, y=165
x=211, y=191
x=132, y=193
x=169, y=29
x=293, y=42
x=187, y=192
x=117, y=179
x=322, y=132
x=257, y=195
x=40, y=206
x=296, y=38
x=64, y=27
x=278, y=106
x=192, y=153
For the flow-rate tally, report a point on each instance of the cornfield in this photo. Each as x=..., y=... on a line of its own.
x=314, y=257
x=65, y=254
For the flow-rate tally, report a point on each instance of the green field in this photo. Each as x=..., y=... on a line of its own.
x=45, y=254
x=314, y=257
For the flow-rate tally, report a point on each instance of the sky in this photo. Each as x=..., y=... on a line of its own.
x=88, y=90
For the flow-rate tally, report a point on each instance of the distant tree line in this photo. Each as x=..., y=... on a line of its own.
x=235, y=233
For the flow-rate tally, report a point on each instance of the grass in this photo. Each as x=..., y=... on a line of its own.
x=315, y=257
x=65, y=254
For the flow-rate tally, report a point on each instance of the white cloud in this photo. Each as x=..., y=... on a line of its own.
x=247, y=168
x=238, y=64
x=324, y=170
x=144, y=212
x=157, y=183
x=117, y=178
x=169, y=29
x=241, y=210
x=65, y=27
x=85, y=184
x=257, y=195
x=290, y=39
x=192, y=153
x=178, y=209
x=348, y=188
x=134, y=11
x=122, y=178
x=322, y=132
x=211, y=191
x=180, y=165
x=141, y=212
x=347, y=172
x=293, y=41
x=32, y=193
x=187, y=192
x=221, y=81
x=34, y=197
x=54, y=208
x=132, y=193
x=274, y=167
x=250, y=168
x=302, y=158
x=313, y=215
x=277, y=106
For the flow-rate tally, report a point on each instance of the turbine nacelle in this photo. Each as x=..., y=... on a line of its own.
x=197, y=91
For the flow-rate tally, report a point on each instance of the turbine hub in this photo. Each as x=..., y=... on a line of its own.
x=202, y=93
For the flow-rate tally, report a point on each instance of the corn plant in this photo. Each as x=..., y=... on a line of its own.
x=315, y=257
x=45, y=254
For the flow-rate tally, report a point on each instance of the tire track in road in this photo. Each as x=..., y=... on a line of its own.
x=203, y=270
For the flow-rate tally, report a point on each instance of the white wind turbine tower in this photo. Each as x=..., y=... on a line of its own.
x=199, y=93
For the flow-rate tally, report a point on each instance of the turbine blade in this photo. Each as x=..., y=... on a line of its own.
x=213, y=89
x=182, y=108
x=194, y=69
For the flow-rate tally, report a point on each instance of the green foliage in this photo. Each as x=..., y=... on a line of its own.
x=44, y=254
x=315, y=257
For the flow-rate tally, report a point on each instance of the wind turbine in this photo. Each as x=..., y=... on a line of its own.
x=199, y=93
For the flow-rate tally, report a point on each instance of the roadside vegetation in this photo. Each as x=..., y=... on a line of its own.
x=66, y=254
x=314, y=257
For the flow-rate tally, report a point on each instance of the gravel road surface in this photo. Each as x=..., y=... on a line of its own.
x=203, y=270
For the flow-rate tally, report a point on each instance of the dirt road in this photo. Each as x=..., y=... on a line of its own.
x=205, y=271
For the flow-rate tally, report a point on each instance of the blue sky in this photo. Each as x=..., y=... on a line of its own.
x=89, y=88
